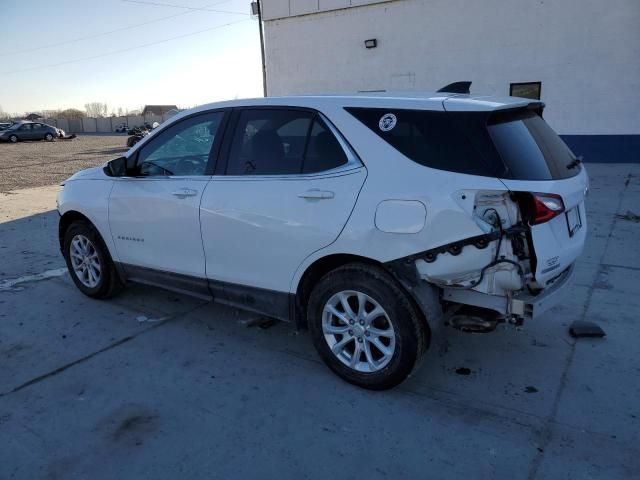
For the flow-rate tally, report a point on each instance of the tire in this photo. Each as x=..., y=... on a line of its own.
x=48, y=137
x=13, y=138
x=405, y=334
x=108, y=283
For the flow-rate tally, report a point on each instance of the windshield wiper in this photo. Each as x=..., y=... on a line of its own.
x=573, y=164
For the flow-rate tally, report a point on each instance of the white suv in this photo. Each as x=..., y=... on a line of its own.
x=364, y=218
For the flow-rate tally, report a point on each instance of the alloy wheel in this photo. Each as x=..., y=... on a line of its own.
x=85, y=261
x=358, y=331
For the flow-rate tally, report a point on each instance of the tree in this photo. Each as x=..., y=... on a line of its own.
x=50, y=113
x=96, y=109
x=120, y=112
x=3, y=115
x=72, y=113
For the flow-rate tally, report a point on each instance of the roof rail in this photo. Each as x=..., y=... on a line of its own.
x=457, y=87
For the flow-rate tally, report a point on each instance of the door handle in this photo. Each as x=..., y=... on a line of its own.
x=184, y=192
x=314, y=193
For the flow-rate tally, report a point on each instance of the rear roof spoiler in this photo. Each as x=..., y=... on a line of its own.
x=457, y=87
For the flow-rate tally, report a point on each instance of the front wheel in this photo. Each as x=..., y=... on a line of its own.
x=365, y=327
x=48, y=137
x=13, y=138
x=89, y=262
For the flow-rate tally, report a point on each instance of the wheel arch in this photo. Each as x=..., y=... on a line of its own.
x=66, y=220
x=424, y=296
x=70, y=216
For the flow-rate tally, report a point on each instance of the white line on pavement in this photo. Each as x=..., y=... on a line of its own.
x=10, y=284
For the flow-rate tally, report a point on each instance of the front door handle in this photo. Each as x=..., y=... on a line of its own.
x=184, y=193
x=314, y=193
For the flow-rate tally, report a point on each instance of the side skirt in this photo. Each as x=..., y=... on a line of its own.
x=270, y=303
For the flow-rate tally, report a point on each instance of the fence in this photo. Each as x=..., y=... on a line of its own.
x=103, y=125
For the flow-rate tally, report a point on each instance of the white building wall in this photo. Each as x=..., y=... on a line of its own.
x=586, y=53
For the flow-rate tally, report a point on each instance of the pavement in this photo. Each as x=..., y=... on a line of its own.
x=157, y=385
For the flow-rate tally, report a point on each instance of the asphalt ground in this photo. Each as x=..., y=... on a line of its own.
x=156, y=385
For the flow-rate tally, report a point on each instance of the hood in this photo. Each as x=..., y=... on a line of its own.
x=94, y=173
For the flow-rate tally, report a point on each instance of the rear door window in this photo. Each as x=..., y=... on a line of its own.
x=269, y=141
x=323, y=152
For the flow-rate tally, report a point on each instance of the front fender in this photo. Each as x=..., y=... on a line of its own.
x=90, y=198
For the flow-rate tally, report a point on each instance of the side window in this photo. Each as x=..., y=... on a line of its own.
x=282, y=142
x=431, y=138
x=181, y=149
x=324, y=152
x=269, y=142
x=26, y=127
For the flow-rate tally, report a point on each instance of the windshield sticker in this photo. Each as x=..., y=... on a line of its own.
x=387, y=122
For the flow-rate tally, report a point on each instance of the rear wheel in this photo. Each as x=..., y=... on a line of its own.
x=13, y=138
x=89, y=262
x=48, y=137
x=365, y=327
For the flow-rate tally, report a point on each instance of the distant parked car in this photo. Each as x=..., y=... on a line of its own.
x=121, y=128
x=4, y=126
x=29, y=131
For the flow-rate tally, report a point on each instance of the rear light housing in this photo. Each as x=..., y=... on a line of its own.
x=537, y=208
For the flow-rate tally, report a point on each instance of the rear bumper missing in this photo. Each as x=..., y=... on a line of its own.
x=527, y=305
x=523, y=305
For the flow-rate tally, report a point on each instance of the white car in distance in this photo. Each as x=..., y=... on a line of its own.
x=369, y=219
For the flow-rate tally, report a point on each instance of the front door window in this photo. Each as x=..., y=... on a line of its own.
x=182, y=149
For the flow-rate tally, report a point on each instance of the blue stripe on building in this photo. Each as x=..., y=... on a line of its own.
x=605, y=148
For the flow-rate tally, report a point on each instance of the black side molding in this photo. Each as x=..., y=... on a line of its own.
x=457, y=87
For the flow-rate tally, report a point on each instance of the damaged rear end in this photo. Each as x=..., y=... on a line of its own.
x=519, y=233
x=533, y=230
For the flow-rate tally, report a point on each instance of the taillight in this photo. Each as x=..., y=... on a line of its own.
x=538, y=208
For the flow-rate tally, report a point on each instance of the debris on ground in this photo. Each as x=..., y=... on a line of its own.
x=630, y=216
x=582, y=328
x=463, y=371
x=143, y=319
x=268, y=323
x=259, y=321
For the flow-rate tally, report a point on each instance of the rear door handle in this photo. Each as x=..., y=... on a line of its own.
x=314, y=193
x=184, y=193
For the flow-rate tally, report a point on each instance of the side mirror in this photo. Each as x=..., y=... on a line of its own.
x=116, y=167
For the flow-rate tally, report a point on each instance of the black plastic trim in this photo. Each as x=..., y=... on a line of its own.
x=271, y=303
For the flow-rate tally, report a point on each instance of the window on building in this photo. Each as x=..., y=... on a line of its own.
x=526, y=90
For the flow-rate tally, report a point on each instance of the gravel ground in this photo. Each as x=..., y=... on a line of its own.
x=36, y=164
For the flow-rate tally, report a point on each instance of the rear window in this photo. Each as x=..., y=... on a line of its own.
x=515, y=144
x=529, y=147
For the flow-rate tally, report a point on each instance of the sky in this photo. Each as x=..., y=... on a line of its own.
x=64, y=54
